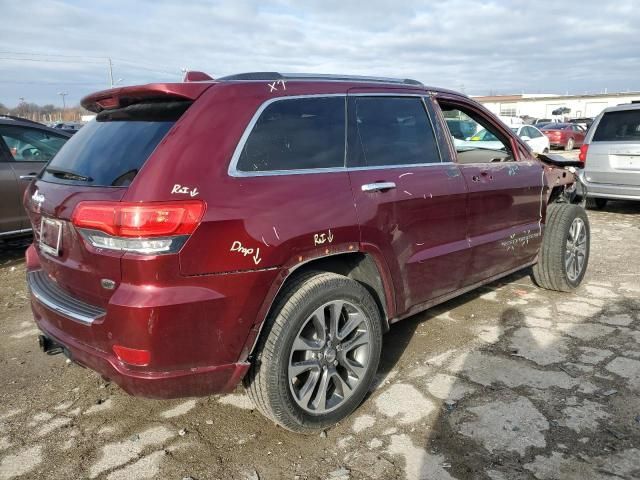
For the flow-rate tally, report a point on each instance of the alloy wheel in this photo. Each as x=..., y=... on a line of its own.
x=576, y=249
x=329, y=357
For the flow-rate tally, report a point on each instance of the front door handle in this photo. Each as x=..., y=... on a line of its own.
x=29, y=177
x=378, y=186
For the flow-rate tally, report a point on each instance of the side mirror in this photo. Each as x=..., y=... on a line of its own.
x=525, y=138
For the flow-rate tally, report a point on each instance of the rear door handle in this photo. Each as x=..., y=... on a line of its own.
x=483, y=177
x=378, y=186
x=29, y=177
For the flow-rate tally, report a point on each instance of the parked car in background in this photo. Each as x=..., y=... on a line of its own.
x=611, y=154
x=583, y=122
x=529, y=134
x=564, y=135
x=69, y=127
x=542, y=120
x=461, y=129
x=533, y=137
x=25, y=147
x=269, y=228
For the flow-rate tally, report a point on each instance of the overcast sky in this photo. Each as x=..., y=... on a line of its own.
x=478, y=47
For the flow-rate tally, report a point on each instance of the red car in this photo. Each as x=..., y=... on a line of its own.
x=270, y=228
x=564, y=135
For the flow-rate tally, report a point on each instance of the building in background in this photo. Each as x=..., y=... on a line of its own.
x=543, y=105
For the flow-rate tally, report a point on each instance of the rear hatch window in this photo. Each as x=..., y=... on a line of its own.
x=110, y=150
x=618, y=127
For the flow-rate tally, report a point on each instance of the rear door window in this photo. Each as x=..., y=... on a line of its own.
x=393, y=131
x=296, y=134
x=110, y=150
x=618, y=127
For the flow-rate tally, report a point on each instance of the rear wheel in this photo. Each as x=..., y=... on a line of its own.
x=570, y=144
x=596, y=203
x=564, y=254
x=318, y=354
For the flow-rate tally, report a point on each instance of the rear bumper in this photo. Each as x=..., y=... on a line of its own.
x=193, y=382
x=196, y=329
x=605, y=190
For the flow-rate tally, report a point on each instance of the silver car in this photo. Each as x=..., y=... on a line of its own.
x=611, y=152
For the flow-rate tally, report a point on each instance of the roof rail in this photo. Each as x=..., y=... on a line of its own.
x=20, y=119
x=318, y=76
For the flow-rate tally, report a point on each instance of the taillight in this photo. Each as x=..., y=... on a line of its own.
x=132, y=356
x=582, y=156
x=156, y=227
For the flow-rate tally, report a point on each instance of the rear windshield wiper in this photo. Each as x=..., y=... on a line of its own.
x=68, y=175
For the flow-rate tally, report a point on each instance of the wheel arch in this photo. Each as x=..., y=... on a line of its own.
x=359, y=266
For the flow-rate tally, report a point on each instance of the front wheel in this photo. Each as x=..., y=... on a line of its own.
x=564, y=255
x=318, y=354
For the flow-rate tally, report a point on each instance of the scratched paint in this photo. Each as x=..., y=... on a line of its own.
x=237, y=247
x=322, y=238
x=183, y=189
x=277, y=86
x=519, y=241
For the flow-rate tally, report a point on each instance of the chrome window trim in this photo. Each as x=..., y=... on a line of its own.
x=233, y=171
x=406, y=165
x=233, y=164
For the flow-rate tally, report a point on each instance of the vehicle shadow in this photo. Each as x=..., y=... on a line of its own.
x=12, y=252
x=398, y=338
x=621, y=207
x=533, y=394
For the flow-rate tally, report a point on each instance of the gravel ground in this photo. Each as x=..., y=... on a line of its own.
x=508, y=382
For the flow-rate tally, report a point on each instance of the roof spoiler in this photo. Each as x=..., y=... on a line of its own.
x=124, y=96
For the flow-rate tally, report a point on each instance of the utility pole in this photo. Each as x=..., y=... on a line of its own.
x=64, y=105
x=63, y=94
x=110, y=72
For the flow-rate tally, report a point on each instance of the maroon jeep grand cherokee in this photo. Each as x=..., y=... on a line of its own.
x=269, y=228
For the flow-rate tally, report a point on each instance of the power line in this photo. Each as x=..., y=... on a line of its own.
x=105, y=59
x=3, y=52
x=49, y=61
x=43, y=82
x=132, y=65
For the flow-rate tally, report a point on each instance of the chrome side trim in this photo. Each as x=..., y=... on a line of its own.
x=15, y=232
x=53, y=297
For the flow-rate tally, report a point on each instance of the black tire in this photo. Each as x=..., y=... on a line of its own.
x=551, y=271
x=596, y=203
x=267, y=381
x=570, y=144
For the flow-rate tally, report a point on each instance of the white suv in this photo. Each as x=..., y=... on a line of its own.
x=611, y=153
